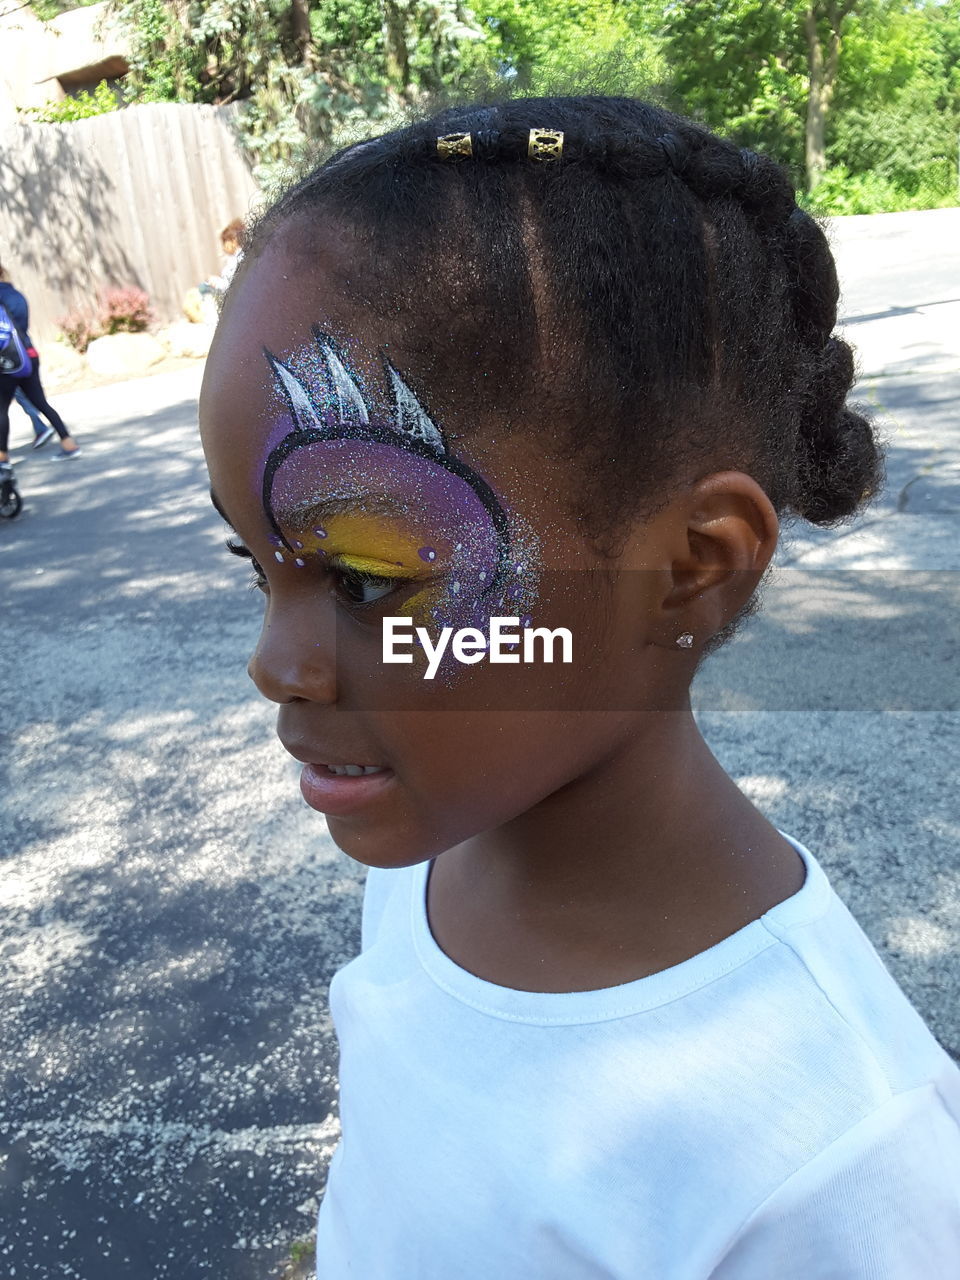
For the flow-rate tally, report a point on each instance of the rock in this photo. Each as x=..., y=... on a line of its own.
x=193, y=306
x=60, y=365
x=185, y=339
x=200, y=307
x=124, y=354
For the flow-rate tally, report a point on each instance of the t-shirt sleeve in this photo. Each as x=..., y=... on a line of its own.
x=882, y=1202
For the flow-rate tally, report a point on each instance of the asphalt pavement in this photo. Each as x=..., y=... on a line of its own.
x=172, y=912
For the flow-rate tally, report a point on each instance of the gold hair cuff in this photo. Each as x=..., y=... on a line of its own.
x=455, y=146
x=545, y=144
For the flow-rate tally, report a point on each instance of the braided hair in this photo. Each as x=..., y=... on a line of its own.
x=655, y=290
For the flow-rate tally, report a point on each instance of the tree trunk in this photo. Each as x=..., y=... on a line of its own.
x=395, y=40
x=300, y=27
x=823, y=79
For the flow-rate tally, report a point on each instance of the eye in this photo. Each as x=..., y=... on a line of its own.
x=237, y=548
x=358, y=587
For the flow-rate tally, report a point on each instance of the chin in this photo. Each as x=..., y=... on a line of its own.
x=390, y=848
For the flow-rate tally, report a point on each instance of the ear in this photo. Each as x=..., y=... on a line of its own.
x=719, y=537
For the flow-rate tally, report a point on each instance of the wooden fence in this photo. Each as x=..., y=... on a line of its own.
x=135, y=197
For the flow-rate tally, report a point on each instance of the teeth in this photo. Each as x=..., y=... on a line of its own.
x=354, y=770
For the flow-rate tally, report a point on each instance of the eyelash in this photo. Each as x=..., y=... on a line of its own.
x=238, y=549
x=344, y=576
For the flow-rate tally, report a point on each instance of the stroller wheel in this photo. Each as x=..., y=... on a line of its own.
x=10, y=503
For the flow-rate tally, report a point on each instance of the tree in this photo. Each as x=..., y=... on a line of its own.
x=822, y=25
x=546, y=45
x=304, y=73
x=897, y=107
x=739, y=67
x=756, y=70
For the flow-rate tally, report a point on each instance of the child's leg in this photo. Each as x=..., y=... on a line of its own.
x=7, y=388
x=33, y=390
x=39, y=426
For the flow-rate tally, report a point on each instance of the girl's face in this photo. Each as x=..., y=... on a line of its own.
x=356, y=501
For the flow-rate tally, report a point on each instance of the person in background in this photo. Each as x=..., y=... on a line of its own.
x=31, y=386
x=42, y=431
x=230, y=238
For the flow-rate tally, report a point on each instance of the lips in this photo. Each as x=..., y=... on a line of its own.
x=337, y=786
x=340, y=794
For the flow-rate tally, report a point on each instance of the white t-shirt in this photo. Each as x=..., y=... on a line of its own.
x=771, y=1109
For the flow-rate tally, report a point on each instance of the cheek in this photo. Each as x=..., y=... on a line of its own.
x=471, y=772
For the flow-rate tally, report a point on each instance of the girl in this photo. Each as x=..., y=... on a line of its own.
x=565, y=362
x=30, y=385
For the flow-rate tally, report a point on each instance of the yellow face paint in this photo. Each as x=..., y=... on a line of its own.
x=381, y=547
x=371, y=537
x=367, y=564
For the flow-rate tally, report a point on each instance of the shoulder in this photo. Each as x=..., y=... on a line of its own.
x=13, y=300
x=882, y=1202
x=842, y=983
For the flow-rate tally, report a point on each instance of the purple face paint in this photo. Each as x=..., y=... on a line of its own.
x=385, y=491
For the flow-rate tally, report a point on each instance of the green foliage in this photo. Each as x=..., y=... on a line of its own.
x=47, y=9
x=348, y=73
x=894, y=139
x=301, y=1250
x=84, y=105
x=552, y=43
x=203, y=50
x=310, y=74
x=841, y=192
x=740, y=67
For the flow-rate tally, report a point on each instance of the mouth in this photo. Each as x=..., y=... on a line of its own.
x=334, y=787
x=343, y=789
x=353, y=770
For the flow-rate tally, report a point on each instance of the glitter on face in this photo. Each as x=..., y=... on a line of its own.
x=387, y=497
x=279, y=555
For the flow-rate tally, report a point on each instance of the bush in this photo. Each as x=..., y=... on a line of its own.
x=890, y=158
x=79, y=327
x=125, y=311
x=841, y=192
x=116, y=310
x=84, y=105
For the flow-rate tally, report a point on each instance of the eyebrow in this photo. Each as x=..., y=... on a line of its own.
x=374, y=504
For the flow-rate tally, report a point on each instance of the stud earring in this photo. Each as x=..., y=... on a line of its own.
x=685, y=641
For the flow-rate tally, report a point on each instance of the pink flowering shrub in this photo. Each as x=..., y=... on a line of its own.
x=117, y=310
x=125, y=310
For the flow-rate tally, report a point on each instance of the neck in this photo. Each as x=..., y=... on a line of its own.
x=655, y=848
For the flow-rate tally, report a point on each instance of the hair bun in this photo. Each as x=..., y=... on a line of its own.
x=840, y=464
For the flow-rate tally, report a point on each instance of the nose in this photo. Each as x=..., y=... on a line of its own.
x=295, y=656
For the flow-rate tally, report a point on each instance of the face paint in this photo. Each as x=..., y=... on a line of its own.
x=383, y=496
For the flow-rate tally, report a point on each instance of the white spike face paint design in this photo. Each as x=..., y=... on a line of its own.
x=412, y=418
x=349, y=399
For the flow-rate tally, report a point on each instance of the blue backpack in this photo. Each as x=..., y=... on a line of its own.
x=14, y=361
